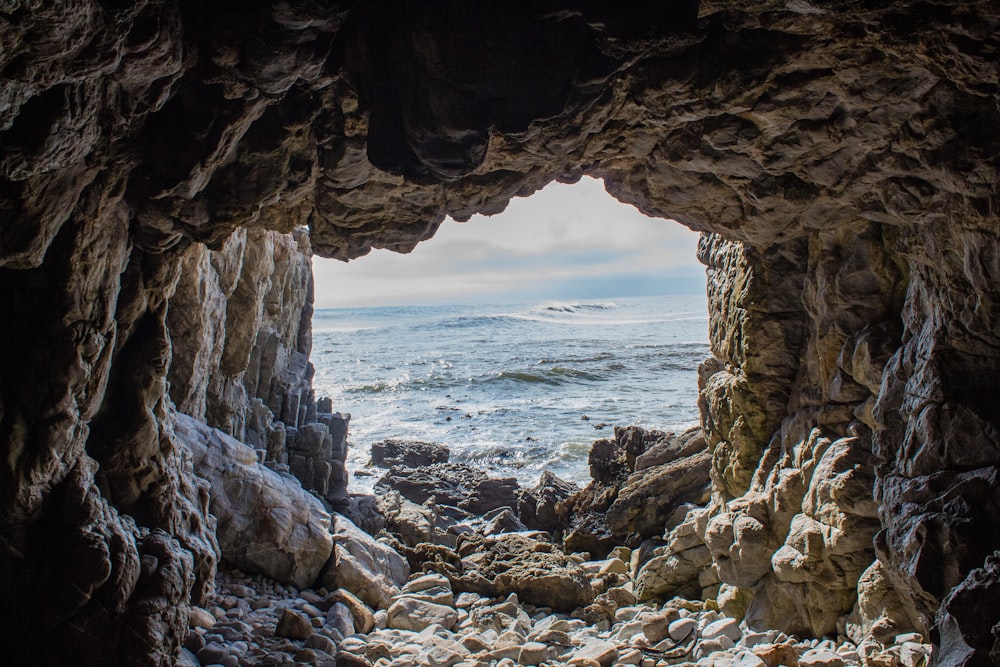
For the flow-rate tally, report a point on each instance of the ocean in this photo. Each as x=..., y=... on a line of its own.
x=512, y=389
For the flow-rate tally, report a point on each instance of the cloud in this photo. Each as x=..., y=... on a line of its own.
x=565, y=238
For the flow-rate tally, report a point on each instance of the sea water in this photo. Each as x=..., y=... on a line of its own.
x=512, y=389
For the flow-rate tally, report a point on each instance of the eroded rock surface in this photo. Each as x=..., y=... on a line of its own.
x=267, y=523
x=842, y=157
x=240, y=321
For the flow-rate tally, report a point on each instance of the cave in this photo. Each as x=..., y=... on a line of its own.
x=168, y=168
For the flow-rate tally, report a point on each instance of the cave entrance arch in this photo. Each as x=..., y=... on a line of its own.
x=844, y=153
x=516, y=339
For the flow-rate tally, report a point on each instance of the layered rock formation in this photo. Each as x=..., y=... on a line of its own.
x=842, y=156
x=240, y=321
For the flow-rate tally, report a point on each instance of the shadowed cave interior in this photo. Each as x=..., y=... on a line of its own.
x=167, y=169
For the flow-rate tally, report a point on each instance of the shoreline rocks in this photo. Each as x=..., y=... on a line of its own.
x=639, y=479
x=251, y=621
x=440, y=586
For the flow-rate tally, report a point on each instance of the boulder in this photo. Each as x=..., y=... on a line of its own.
x=538, y=572
x=364, y=566
x=408, y=613
x=626, y=503
x=268, y=524
x=652, y=494
x=455, y=484
x=364, y=619
x=411, y=523
x=502, y=520
x=665, y=448
x=408, y=453
x=293, y=625
x=537, y=507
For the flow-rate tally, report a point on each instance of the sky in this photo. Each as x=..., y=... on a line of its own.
x=563, y=242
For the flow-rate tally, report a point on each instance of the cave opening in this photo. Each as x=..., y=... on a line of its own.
x=159, y=165
x=518, y=339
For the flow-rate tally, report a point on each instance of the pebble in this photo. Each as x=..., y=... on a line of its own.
x=603, y=653
x=725, y=627
x=279, y=625
x=293, y=625
x=682, y=628
x=534, y=653
x=820, y=657
x=200, y=618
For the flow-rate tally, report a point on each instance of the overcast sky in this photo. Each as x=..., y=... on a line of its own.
x=564, y=242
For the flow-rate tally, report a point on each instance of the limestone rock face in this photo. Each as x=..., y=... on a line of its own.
x=842, y=157
x=240, y=322
x=268, y=524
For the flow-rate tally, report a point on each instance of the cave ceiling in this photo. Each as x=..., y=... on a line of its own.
x=371, y=122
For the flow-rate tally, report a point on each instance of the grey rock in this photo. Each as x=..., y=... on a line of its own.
x=408, y=453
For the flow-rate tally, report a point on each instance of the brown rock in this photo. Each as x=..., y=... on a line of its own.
x=293, y=625
x=536, y=571
x=777, y=655
x=649, y=496
x=364, y=619
x=654, y=626
x=364, y=566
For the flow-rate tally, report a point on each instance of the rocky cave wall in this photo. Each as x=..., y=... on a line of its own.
x=842, y=159
x=240, y=323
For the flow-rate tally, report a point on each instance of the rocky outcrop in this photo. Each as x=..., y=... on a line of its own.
x=452, y=484
x=267, y=523
x=841, y=155
x=535, y=570
x=639, y=480
x=240, y=321
x=369, y=569
x=408, y=453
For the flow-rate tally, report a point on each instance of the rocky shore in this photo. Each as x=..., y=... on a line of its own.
x=254, y=621
x=452, y=569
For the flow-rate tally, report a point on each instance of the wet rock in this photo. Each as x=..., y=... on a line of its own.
x=408, y=453
x=454, y=484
